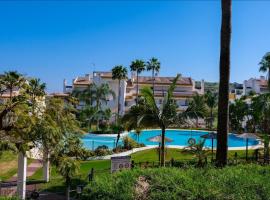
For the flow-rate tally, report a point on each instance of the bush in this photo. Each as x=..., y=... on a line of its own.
x=86, y=154
x=102, y=151
x=243, y=182
x=129, y=143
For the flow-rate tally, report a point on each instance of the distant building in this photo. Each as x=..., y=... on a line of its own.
x=258, y=86
x=185, y=88
x=236, y=90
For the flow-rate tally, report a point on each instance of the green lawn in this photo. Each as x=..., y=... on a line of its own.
x=101, y=167
x=151, y=155
x=8, y=165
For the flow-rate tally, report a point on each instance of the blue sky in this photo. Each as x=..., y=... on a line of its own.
x=57, y=40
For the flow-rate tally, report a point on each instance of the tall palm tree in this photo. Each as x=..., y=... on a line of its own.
x=137, y=66
x=265, y=66
x=119, y=72
x=223, y=100
x=211, y=102
x=153, y=65
x=149, y=114
x=196, y=108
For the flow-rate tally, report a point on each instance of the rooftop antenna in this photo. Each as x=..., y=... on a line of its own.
x=93, y=65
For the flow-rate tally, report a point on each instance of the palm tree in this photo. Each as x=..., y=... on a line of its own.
x=153, y=65
x=223, y=100
x=130, y=120
x=196, y=108
x=119, y=72
x=86, y=115
x=198, y=150
x=68, y=168
x=211, y=102
x=9, y=82
x=137, y=66
x=13, y=80
x=260, y=108
x=149, y=114
x=35, y=89
x=265, y=66
x=86, y=95
x=101, y=94
x=237, y=113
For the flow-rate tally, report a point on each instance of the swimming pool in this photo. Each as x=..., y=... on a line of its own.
x=179, y=137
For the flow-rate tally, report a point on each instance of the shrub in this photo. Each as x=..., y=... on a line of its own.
x=102, y=151
x=243, y=182
x=129, y=143
x=86, y=154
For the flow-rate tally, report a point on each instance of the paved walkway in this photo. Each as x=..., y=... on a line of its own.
x=31, y=169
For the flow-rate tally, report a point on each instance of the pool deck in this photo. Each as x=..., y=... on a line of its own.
x=127, y=153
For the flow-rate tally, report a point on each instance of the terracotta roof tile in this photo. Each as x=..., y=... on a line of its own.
x=82, y=81
x=164, y=80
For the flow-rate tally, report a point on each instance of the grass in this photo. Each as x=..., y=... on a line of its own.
x=8, y=165
x=151, y=155
x=101, y=167
x=242, y=182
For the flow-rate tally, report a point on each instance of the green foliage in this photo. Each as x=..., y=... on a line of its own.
x=102, y=151
x=237, y=112
x=196, y=108
x=198, y=150
x=153, y=65
x=247, y=182
x=137, y=66
x=8, y=198
x=94, y=97
x=129, y=143
x=148, y=114
x=265, y=66
x=211, y=102
x=119, y=72
x=67, y=167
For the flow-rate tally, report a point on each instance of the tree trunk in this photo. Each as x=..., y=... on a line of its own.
x=46, y=165
x=211, y=119
x=223, y=109
x=153, y=79
x=118, y=105
x=137, y=94
x=163, y=148
x=21, y=180
x=268, y=84
x=67, y=188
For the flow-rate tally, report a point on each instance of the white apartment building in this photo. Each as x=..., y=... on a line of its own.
x=98, y=77
x=185, y=88
x=259, y=86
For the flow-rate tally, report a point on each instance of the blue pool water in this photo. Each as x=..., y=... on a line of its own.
x=179, y=137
